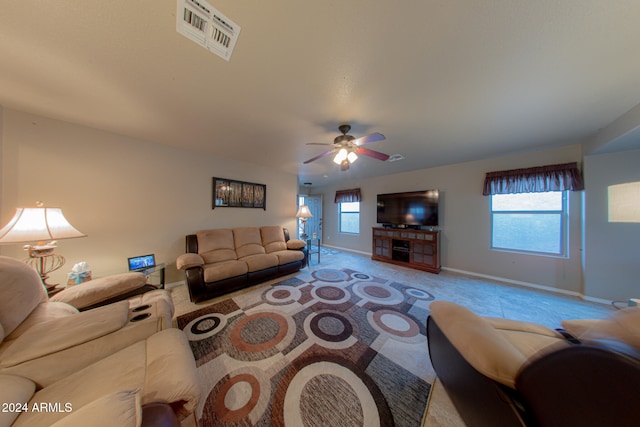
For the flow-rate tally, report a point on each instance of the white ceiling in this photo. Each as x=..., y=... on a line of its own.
x=445, y=81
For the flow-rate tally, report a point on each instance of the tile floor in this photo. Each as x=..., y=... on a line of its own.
x=485, y=297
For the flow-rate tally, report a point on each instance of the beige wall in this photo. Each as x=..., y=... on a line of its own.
x=135, y=197
x=612, y=254
x=131, y=197
x=464, y=219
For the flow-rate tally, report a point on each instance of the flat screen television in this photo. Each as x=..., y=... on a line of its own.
x=414, y=209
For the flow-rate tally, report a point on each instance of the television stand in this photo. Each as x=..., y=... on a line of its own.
x=419, y=249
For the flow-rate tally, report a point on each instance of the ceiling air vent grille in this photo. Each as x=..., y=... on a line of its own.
x=202, y=23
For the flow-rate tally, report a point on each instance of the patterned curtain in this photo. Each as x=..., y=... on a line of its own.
x=345, y=196
x=534, y=180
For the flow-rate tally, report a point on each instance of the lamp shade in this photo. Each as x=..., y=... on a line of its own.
x=624, y=202
x=303, y=212
x=38, y=224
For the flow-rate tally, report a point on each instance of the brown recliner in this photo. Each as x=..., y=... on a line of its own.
x=500, y=372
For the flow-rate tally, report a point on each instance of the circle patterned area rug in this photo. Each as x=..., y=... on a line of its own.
x=327, y=348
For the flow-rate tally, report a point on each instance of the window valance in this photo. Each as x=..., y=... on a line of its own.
x=560, y=177
x=346, y=196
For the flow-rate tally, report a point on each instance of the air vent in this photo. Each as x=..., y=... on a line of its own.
x=395, y=158
x=200, y=22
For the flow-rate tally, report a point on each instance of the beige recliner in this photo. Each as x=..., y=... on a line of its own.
x=45, y=340
x=501, y=372
x=114, y=391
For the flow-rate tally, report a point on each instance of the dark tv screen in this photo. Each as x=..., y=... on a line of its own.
x=416, y=208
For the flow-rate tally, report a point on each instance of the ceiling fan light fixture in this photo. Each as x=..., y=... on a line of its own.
x=347, y=149
x=340, y=157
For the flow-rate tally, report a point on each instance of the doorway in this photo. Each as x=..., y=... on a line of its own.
x=314, y=224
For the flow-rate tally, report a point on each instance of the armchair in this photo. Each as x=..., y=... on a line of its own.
x=45, y=340
x=501, y=372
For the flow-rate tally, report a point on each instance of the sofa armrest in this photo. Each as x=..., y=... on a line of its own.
x=588, y=384
x=296, y=244
x=100, y=289
x=189, y=260
x=484, y=348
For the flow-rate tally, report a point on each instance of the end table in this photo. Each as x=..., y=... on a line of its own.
x=311, y=251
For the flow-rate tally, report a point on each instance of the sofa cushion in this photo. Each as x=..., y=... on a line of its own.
x=286, y=256
x=275, y=246
x=224, y=270
x=20, y=292
x=161, y=367
x=260, y=261
x=59, y=334
x=273, y=238
x=116, y=409
x=216, y=245
x=42, y=313
x=248, y=241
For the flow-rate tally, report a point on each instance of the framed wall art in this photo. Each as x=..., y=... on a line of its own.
x=229, y=193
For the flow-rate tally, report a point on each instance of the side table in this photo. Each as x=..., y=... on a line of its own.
x=155, y=269
x=311, y=251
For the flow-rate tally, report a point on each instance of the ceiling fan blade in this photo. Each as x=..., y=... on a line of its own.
x=374, y=137
x=318, y=143
x=375, y=154
x=319, y=156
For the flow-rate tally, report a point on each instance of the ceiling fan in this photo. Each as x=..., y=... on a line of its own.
x=349, y=147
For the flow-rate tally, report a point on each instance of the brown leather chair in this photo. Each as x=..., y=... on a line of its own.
x=499, y=372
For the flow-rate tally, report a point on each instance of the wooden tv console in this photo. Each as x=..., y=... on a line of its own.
x=417, y=249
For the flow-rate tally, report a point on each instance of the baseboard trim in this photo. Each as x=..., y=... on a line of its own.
x=529, y=285
x=347, y=250
x=173, y=284
x=499, y=279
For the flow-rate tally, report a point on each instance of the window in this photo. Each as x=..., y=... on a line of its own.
x=349, y=217
x=530, y=222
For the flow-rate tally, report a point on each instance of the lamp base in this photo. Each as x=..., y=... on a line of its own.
x=45, y=264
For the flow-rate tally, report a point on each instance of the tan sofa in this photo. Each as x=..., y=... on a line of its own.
x=45, y=340
x=222, y=260
x=125, y=353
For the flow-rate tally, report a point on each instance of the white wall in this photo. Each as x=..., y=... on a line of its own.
x=612, y=255
x=464, y=219
x=131, y=197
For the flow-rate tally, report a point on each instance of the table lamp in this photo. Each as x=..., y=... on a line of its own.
x=303, y=213
x=40, y=224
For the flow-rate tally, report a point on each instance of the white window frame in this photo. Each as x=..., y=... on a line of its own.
x=340, y=213
x=564, y=229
